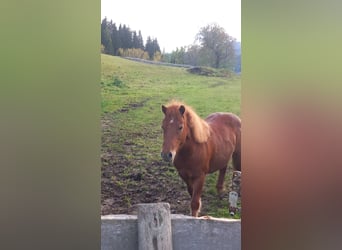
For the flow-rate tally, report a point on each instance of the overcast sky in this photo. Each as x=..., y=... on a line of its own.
x=174, y=23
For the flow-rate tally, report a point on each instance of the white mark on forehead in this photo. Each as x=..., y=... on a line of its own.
x=171, y=121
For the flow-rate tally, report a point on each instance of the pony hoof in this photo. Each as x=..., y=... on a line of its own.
x=206, y=217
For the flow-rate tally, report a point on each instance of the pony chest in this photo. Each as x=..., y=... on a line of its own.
x=189, y=161
x=191, y=153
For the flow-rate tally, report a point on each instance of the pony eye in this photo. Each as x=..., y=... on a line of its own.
x=180, y=127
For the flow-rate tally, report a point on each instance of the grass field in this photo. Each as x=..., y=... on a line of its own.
x=132, y=170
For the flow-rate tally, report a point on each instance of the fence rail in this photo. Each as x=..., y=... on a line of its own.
x=158, y=63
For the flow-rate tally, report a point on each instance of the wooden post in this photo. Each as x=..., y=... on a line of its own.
x=154, y=226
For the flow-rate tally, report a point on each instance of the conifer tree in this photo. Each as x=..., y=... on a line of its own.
x=115, y=39
x=141, y=41
x=149, y=47
x=106, y=40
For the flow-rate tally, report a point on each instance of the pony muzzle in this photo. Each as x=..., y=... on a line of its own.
x=168, y=157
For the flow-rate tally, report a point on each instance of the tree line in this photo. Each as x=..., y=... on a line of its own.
x=122, y=41
x=213, y=47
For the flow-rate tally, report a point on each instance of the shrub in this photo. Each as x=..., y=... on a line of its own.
x=117, y=82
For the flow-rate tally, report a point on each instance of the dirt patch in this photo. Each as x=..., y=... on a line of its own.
x=129, y=178
x=216, y=84
x=123, y=187
x=134, y=105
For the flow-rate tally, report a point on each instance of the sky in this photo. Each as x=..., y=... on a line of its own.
x=174, y=23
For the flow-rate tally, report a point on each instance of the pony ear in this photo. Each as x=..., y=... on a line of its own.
x=182, y=109
x=164, y=109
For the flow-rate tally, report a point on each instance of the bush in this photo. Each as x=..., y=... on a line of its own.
x=117, y=82
x=206, y=71
x=202, y=71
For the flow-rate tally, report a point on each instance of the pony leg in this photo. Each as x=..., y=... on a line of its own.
x=196, y=195
x=190, y=189
x=220, y=181
x=188, y=183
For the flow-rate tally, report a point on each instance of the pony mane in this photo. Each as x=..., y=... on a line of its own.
x=199, y=128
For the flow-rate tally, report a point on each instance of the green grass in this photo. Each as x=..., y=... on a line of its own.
x=159, y=84
x=132, y=94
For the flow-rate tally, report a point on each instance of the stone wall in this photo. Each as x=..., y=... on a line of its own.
x=121, y=232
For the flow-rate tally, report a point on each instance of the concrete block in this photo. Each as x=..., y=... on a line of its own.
x=119, y=232
x=191, y=233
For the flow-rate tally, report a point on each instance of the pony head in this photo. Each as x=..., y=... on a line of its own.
x=174, y=130
x=181, y=123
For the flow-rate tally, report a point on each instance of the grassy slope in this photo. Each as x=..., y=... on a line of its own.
x=134, y=105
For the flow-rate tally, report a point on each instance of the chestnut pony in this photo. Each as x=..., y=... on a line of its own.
x=197, y=147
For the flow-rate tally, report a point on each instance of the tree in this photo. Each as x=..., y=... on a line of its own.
x=177, y=56
x=106, y=40
x=140, y=41
x=157, y=56
x=135, y=40
x=125, y=37
x=218, y=42
x=115, y=39
x=149, y=47
x=192, y=55
x=120, y=41
x=152, y=47
x=156, y=47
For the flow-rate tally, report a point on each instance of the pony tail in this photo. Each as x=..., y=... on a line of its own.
x=237, y=152
x=237, y=160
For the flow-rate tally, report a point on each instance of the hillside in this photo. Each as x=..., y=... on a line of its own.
x=132, y=171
